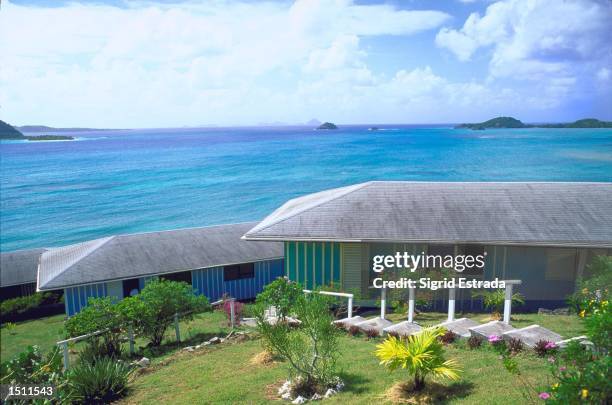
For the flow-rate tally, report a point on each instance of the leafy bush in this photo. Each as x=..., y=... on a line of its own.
x=152, y=311
x=515, y=345
x=582, y=377
x=102, y=381
x=282, y=294
x=421, y=354
x=311, y=349
x=494, y=300
x=33, y=367
x=100, y=314
x=595, y=288
x=543, y=348
x=21, y=305
x=474, y=342
x=371, y=334
x=354, y=330
x=447, y=337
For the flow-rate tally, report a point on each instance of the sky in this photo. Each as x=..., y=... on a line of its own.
x=147, y=64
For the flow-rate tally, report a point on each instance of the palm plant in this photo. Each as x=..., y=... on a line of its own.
x=494, y=300
x=421, y=354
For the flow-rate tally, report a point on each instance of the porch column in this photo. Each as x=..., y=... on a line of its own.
x=451, y=304
x=383, y=302
x=410, y=305
x=508, y=299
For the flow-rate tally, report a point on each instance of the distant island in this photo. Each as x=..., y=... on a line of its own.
x=510, y=122
x=8, y=132
x=327, y=125
x=44, y=128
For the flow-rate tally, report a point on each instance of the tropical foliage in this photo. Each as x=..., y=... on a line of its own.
x=101, y=381
x=152, y=311
x=421, y=355
x=311, y=348
x=282, y=294
x=494, y=300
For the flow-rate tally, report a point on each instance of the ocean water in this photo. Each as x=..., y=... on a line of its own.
x=111, y=182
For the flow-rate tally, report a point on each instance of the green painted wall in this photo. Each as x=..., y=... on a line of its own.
x=313, y=264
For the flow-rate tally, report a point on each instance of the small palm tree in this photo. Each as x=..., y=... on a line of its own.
x=494, y=300
x=421, y=354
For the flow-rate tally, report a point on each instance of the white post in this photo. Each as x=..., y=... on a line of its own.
x=177, y=330
x=232, y=320
x=383, y=302
x=451, y=304
x=508, y=303
x=131, y=338
x=66, y=358
x=411, y=305
x=350, y=307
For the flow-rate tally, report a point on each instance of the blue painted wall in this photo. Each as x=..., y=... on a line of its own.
x=208, y=282
x=75, y=298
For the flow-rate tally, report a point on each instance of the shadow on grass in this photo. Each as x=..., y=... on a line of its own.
x=355, y=383
x=433, y=393
x=171, y=346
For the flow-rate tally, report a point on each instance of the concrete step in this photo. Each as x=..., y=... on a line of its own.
x=404, y=328
x=485, y=330
x=460, y=327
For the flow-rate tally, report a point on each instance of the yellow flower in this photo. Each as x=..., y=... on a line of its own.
x=555, y=386
x=581, y=314
x=585, y=290
x=584, y=393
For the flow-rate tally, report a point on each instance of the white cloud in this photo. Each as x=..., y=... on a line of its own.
x=557, y=46
x=190, y=63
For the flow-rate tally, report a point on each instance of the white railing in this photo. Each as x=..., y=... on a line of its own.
x=338, y=294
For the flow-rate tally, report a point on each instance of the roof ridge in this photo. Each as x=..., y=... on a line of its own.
x=184, y=229
x=100, y=242
x=355, y=187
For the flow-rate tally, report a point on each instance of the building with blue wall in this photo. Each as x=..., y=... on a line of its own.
x=214, y=260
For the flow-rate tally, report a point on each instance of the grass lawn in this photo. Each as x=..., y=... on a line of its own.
x=43, y=332
x=224, y=374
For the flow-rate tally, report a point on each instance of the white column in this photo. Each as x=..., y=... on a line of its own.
x=410, y=305
x=507, y=303
x=383, y=302
x=350, y=307
x=451, y=304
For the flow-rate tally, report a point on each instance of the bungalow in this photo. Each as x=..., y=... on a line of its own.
x=18, y=273
x=214, y=260
x=541, y=233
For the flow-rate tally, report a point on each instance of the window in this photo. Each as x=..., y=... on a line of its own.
x=184, y=276
x=130, y=287
x=238, y=271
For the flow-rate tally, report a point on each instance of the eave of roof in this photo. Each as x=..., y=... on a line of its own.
x=340, y=216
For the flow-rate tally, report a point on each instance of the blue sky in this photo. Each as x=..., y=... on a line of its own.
x=171, y=64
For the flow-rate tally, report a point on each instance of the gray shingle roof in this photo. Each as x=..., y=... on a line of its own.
x=563, y=214
x=145, y=254
x=19, y=267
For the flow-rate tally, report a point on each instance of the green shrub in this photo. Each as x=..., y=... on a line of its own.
x=152, y=311
x=21, y=305
x=311, y=349
x=32, y=366
x=101, y=381
x=100, y=314
x=282, y=294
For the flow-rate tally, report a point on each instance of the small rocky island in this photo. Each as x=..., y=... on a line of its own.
x=8, y=132
x=327, y=125
x=510, y=122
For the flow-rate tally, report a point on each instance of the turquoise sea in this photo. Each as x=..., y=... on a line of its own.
x=110, y=182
